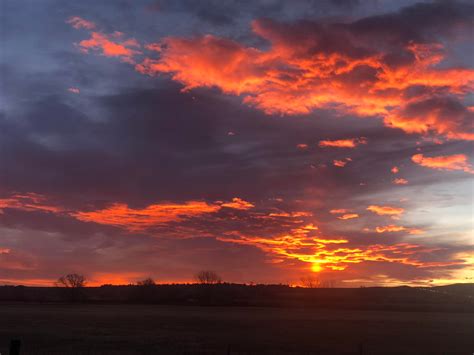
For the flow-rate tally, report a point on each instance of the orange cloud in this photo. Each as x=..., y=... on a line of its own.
x=345, y=214
x=5, y=251
x=390, y=228
x=394, y=228
x=302, y=146
x=348, y=216
x=400, y=181
x=416, y=231
x=395, y=170
x=79, y=23
x=111, y=46
x=122, y=216
x=442, y=116
x=28, y=202
x=333, y=254
x=300, y=73
x=343, y=143
x=341, y=163
x=386, y=210
x=291, y=214
x=238, y=204
x=444, y=162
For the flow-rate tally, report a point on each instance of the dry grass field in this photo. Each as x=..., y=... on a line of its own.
x=157, y=329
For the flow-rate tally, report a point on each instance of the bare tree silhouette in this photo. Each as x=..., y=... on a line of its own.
x=208, y=277
x=71, y=281
x=310, y=282
x=146, y=282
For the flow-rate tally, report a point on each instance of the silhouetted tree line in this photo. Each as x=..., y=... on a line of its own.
x=210, y=290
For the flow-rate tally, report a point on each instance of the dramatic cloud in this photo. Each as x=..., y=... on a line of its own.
x=335, y=254
x=444, y=162
x=343, y=143
x=346, y=67
x=264, y=143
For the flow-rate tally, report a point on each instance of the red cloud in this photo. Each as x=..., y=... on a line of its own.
x=343, y=143
x=444, y=162
x=386, y=210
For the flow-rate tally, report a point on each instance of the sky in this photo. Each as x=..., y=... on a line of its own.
x=267, y=140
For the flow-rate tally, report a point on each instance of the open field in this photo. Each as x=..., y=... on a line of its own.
x=158, y=329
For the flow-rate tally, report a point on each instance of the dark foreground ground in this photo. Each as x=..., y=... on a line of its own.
x=164, y=329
